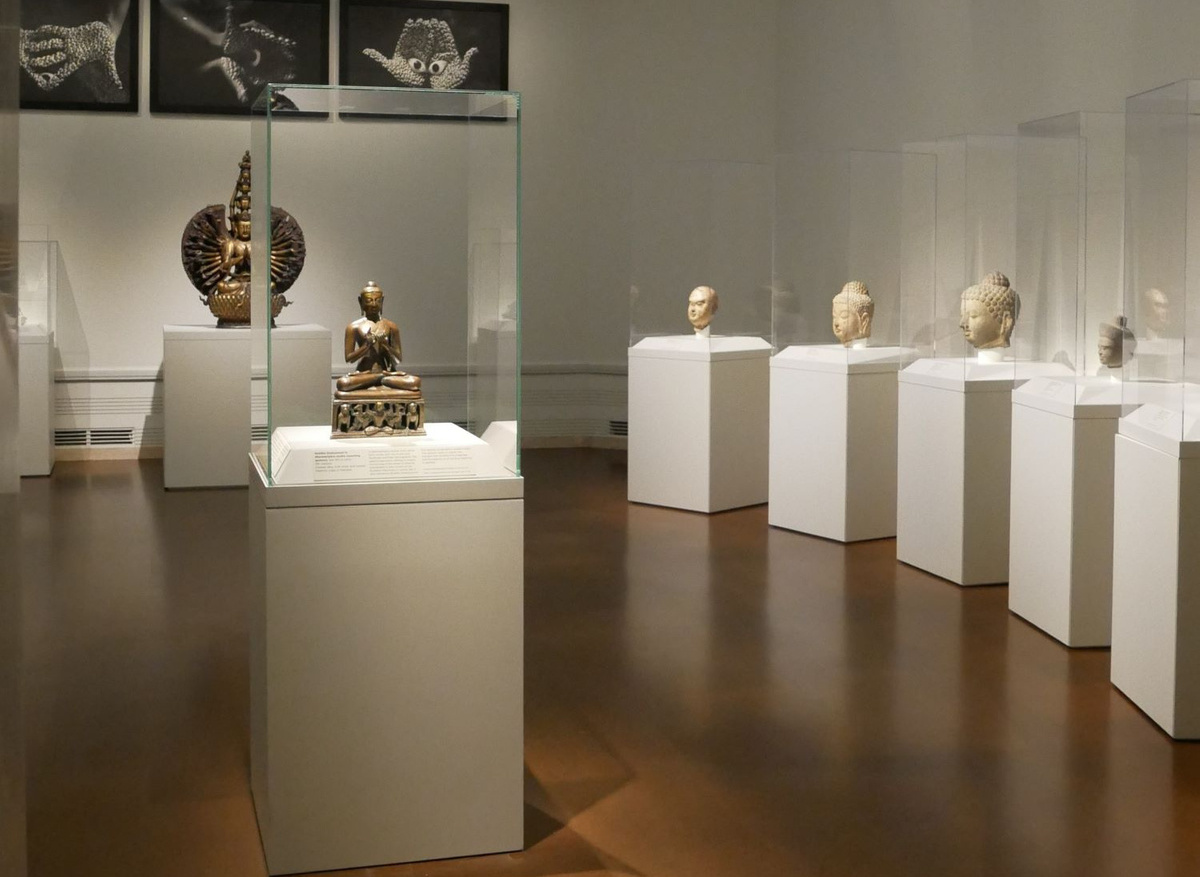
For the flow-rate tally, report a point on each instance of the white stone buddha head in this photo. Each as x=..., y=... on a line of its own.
x=853, y=310
x=989, y=311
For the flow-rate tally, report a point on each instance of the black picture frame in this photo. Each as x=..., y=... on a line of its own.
x=194, y=65
x=377, y=26
x=92, y=86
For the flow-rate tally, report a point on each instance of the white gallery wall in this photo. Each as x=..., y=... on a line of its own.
x=879, y=73
x=605, y=84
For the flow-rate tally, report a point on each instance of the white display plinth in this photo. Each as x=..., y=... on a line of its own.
x=36, y=428
x=1061, y=518
x=1156, y=570
x=698, y=421
x=386, y=671
x=953, y=458
x=206, y=396
x=833, y=440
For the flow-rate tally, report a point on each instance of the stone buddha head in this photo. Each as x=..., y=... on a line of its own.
x=989, y=311
x=702, y=305
x=853, y=310
x=1117, y=344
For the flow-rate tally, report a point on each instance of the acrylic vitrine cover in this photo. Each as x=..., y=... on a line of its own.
x=978, y=316
x=700, y=250
x=1070, y=207
x=1161, y=388
x=412, y=259
x=37, y=286
x=854, y=257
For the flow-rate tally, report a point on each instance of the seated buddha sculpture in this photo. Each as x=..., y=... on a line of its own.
x=377, y=397
x=853, y=311
x=989, y=310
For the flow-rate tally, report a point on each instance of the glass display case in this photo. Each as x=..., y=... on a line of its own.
x=1070, y=209
x=700, y=225
x=854, y=255
x=37, y=300
x=975, y=229
x=700, y=317
x=853, y=295
x=1070, y=203
x=37, y=285
x=1161, y=390
x=955, y=407
x=1156, y=496
x=409, y=203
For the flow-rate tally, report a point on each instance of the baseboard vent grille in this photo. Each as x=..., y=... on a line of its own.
x=82, y=438
x=618, y=427
x=259, y=433
x=109, y=437
x=70, y=438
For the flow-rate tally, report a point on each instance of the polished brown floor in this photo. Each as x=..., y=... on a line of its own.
x=704, y=696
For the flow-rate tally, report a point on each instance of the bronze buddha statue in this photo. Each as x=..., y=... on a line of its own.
x=216, y=251
x=377, y=397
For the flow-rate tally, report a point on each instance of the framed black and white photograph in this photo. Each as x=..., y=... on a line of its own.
x=79, y=55
x=215, y=56
x=419, y=44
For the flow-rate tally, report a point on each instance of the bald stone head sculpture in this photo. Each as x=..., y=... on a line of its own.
x=702, y=305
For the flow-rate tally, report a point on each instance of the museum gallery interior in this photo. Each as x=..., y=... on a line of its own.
x=661, y=438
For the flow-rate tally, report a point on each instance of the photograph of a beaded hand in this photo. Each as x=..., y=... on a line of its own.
x=421, y=44
x=215, y=56
x=79, y=55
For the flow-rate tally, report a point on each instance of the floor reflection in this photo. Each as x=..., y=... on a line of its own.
x=705, y=695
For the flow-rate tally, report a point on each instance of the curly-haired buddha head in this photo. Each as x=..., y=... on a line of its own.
x=853, y=310
x=989, y=311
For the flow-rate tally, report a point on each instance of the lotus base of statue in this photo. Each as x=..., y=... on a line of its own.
x=233, y=308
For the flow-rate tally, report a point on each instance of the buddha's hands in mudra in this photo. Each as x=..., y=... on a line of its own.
x=378, y=339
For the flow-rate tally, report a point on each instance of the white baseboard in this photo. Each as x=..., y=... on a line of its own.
x=143, y=452
x=107, y=416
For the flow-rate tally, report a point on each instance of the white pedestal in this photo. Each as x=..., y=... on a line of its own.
x=953, y=457
x=206, y=396
x=36, y=429
x=698, y=422
x=386, y=671
x=1061, y=520
x=833, y=441
x=1156, y=575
